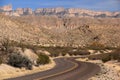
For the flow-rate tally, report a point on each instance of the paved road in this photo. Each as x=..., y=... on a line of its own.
x=65, y=69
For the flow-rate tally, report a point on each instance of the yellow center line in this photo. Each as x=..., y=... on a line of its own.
x=70, y=69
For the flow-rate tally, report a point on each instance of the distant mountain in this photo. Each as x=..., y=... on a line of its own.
x=60, y=12
x=6, y=8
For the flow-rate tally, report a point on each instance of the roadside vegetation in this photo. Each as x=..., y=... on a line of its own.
x=115, y=55
x=12, y=53
x=0, y=60
x=17, y=60
x=43, y=59
x=14, y=58
x=96, y=46
x=99, y=46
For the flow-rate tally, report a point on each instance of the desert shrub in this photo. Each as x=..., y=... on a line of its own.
x=63, y=54
x=107, y=58
x=0, y=60
x=119, y=59
x=70, y=54
x=116, y=55
x=83, y=52
x=104, y=57
x=74, y=53
x=54, y=54
x=96, y=46
x=17, y=60
x=78, y=52
x=5, y=44
x=56, y=51
x=43, y=59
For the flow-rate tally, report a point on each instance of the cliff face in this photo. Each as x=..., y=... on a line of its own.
x=6, y=8
x=72, y=12
x=23, y=11
x=60, y=12
x=54, y=31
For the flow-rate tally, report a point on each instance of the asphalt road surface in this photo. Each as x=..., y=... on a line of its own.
x=65, y=69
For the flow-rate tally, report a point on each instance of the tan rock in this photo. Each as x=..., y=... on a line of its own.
x=31, y=55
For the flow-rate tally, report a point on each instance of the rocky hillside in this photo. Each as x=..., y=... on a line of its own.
x=18, y=30
x=55, y=31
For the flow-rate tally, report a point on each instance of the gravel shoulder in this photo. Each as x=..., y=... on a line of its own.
x=7, y=71
x=109, y=70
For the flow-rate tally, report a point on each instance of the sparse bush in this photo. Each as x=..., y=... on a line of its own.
x=96, y=46
x=106, y=58
x=0, y=60
x=24, y=45
x=116, y=55
x=63, y=54
x=54, y=54
x=75, y=53
x=5, y=44
x=43, y=59
x=17, y=60
x=70, y=54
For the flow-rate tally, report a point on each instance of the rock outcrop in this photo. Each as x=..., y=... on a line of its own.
x=30, y=55
x=60, y=12
x=6, y=8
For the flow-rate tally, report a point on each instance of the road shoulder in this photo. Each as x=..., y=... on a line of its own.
x=109, y=71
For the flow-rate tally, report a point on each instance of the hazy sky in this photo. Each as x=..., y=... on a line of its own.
x=109, y=5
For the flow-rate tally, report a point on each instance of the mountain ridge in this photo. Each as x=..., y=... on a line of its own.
x=59, y=11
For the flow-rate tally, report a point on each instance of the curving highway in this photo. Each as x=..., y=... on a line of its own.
x=65, y=69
